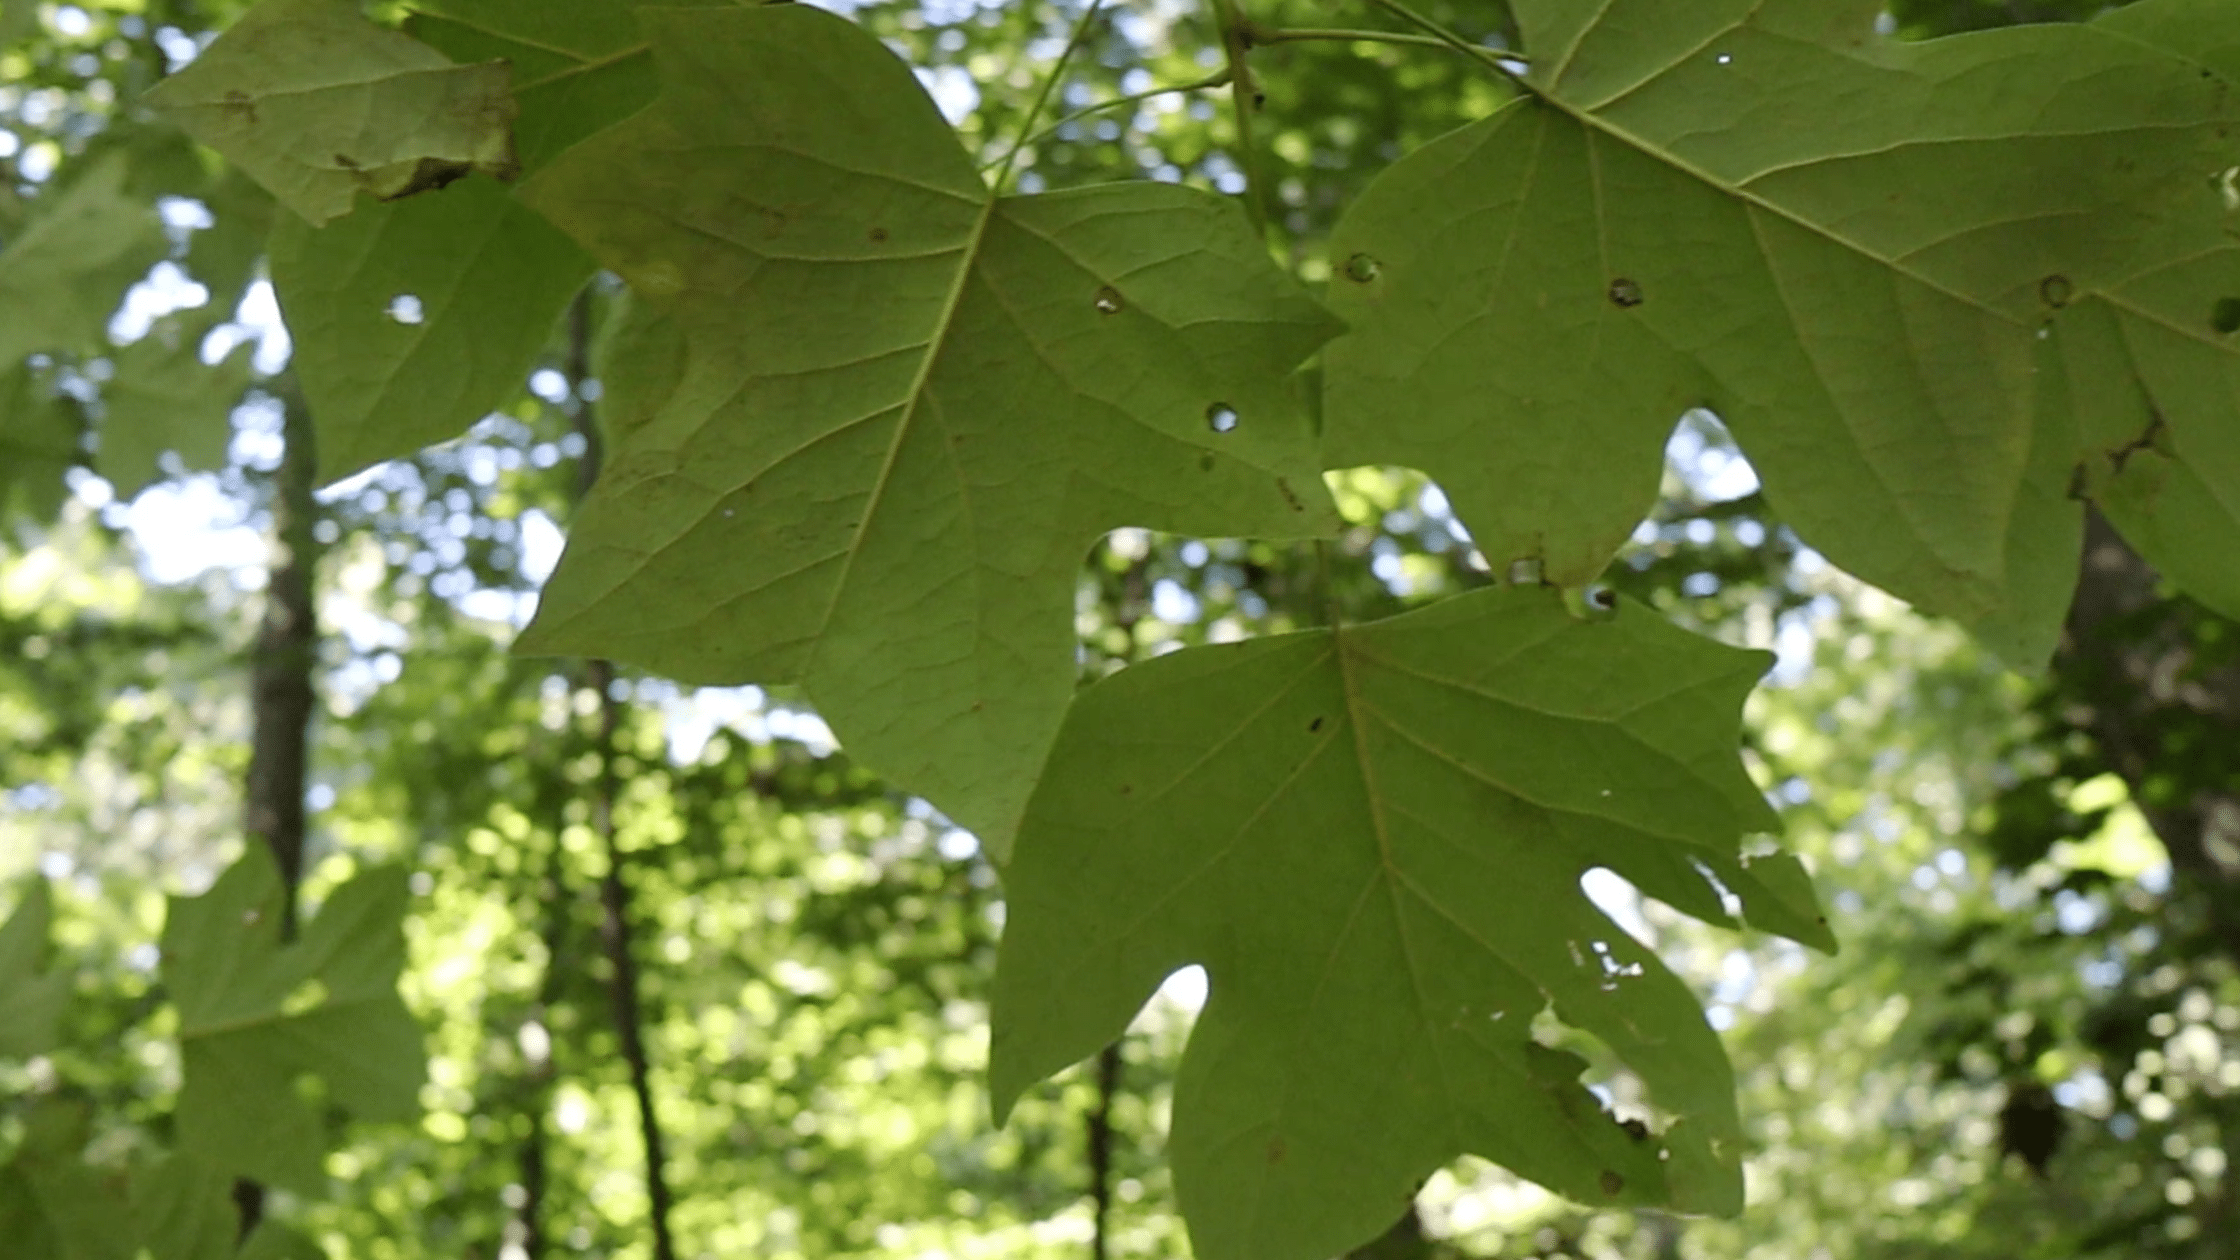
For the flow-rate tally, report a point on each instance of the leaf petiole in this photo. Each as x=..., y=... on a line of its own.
x=1049, y=85
x=1260, y=35
x=1507, y=64
x=1219, y=79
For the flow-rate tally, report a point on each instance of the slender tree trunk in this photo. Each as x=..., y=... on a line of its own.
x=614, y=889
x=1100, y=1149
x=281, y=694
x=537, y=1049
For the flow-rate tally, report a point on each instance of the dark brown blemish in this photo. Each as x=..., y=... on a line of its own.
x=1612, y=1183
x=2056, y=291
x=878, y=234
x=1625, y=294
x=1315, y=725
x=1283, y=487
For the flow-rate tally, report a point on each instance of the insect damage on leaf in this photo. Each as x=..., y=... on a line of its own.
x=1373, y=840
x=318, y=104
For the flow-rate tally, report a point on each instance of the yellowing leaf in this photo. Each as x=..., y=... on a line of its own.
x=1373, y=838
x=1844, y=245
x=256, y=1014
x=317, y=104
x=907, y=406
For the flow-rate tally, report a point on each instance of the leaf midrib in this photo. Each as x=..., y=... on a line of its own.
x=967, y=260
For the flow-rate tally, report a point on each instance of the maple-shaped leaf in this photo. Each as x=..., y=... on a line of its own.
x=1372, y=838
x=163, y=397
x=908, y=406
x=257, y=1015
x=1844, y=245
x=318, y=104
x=31, y=997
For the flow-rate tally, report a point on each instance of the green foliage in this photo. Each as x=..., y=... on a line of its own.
x=31, y=998
x=60, y=275
x=909, y=406
x=1410, y=804
x=319, y=104
x=866, y=407
x=164, y=398
x=257, y=1013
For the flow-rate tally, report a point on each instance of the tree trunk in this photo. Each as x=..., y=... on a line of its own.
x=281, y=693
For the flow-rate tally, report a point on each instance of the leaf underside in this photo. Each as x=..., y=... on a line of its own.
x=320, y=104
x=1373, y=840
x=1845, y=246
x=905, y=408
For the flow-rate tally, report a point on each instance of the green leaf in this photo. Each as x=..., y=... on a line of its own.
x=908, y=407
x=163, y=397
x=2152, y=364
x=64, y=274
x=182, y=1209
x=1843, y=245
x=384, y=375
x=255, y=1015
x=53, y=1206
x=317, y=103
x=31, y=998
x=40, y=429
x=1373, y=839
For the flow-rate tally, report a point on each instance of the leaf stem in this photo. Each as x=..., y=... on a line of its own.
x=1220, y=79
x=1049, y=85
x=1503, y=63
x=1236, y=41
x=1292, y=35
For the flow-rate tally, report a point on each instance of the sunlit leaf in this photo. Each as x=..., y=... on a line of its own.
x=1373, y=840
x=1844, y=245
x=907, y=407
x=319, y=104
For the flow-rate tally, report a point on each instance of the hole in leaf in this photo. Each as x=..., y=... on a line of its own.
x=1361, y=268
x=2225, y=316
x=1221, y=418
x=1525, y=571
x=1108, y=300
x=2056, y=290
x=1624, y=293
x=405, y=308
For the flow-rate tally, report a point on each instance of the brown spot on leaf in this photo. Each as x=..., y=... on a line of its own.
x=237, y=103
x=1315, y=725
x=878, y=234
x=1625, y=293
x=1612, y=1183
x=2056, y=291
x=430, y=175
x=1283, y=487
x=2151, y=440
x=1277, y=1150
